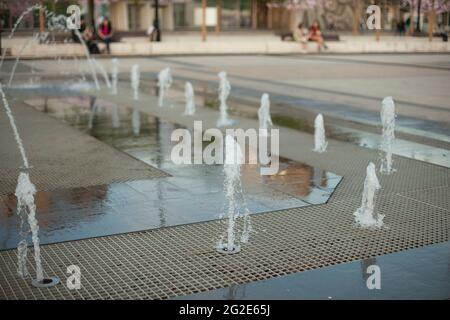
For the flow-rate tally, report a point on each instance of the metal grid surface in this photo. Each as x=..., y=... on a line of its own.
x=181, y=260
x=178, y=261
x=439, y=197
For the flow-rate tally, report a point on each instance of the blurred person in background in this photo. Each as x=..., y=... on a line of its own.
x=301, y=35
x=315, y=34
x=105, y=32
x=88, y=37
x=401, y=27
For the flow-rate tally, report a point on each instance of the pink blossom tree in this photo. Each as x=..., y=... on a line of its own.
x=294, y=5
x=16, y=8
x=429, y=7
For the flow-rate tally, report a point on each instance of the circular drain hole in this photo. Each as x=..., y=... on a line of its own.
x=45, y=283
x=224, y=249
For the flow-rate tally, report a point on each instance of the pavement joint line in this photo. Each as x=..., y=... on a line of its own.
x=408, y=65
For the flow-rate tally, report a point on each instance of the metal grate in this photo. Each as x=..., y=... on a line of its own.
x=181, y=260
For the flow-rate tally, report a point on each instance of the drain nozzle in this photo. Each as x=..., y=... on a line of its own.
x=223, y=249
x=45, y=283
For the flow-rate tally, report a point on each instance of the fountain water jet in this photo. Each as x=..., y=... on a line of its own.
x=265, y=121
x=224, y=92
x=54, y=22
x=135, y=75
x=115, y=116
x=26, y=210
x=366, y=216
x=320, y=143
x=164, y=83
x=33, y=72
x=88, y=57
x=388, y=134
x=59, y=23
x=136, y=121
x=100, y=67
x=18, y=21
x=114, y=75
x=13, y=71
x=190, y=99
x=93, y=111
x=82, y=73
x=233, y=191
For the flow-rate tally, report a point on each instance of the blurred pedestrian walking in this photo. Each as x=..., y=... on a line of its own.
x=401, y=27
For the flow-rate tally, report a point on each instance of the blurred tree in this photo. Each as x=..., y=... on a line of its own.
x=357, y=6
x=90, y=13
x=296, y=4
x=16, y=8
x=291, y=6
x=429, y=7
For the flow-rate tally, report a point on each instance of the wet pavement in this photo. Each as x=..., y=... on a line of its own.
x=192, y=193
x=307, y=109
x=404, y=148
x=439, y=126
x=422, y=273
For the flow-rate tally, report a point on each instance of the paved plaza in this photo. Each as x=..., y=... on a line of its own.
x=262, y=42
x=110, y=200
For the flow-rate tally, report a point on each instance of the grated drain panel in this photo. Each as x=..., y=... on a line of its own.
x=439, y=197
x=154, y=264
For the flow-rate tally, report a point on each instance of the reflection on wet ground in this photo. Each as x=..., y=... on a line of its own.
x=422, y=273
x=401, y=147
x=207, y=95
x=193, y=193
x=306, y=110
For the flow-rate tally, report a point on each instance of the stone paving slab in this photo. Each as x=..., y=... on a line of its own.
x=62, y=157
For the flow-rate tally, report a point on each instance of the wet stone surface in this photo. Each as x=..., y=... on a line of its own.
x=309, y=110
x=193, y=193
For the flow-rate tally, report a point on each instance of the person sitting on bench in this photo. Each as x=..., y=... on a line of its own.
x=315, y=34
x=301, y=35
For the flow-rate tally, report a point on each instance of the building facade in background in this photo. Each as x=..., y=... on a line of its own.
x=221, y=15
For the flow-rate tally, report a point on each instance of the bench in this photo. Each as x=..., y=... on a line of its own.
x=118, y=35
x=289, y=36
